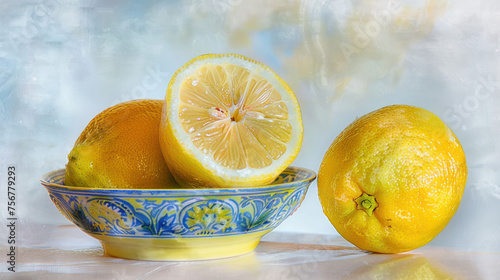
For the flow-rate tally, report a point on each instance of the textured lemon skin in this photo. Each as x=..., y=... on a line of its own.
x=119, y=148
x=187, y=168
x=410, y=162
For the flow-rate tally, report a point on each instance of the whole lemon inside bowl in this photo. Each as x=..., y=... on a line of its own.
x=179, y=224
x=119, y=148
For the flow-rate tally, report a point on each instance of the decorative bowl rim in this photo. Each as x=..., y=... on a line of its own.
x=310, y=176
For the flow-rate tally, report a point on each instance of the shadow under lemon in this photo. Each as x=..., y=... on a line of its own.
x=405, y=266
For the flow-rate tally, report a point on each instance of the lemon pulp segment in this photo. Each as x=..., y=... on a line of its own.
x=234, y=116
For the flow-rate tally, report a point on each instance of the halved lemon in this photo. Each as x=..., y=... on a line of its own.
x=228, y=121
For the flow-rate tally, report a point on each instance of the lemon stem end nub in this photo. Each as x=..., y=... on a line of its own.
x=366, y=202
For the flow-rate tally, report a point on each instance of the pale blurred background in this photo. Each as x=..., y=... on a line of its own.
x=63, y=61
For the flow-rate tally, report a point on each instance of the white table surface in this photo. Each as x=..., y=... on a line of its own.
x=64, y=252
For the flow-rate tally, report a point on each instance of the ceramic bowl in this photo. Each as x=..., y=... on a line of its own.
x=179, y=224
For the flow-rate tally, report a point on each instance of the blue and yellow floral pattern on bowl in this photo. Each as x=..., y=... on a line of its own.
x=179, y=224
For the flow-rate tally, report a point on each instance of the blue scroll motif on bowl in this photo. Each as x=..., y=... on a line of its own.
x=218, y=214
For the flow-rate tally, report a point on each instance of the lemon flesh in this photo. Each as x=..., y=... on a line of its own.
x=229, y=121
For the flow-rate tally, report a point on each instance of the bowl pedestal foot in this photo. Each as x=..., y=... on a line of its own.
x=180, y=249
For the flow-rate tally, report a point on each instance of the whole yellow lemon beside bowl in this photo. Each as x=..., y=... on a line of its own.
x=393, y=179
